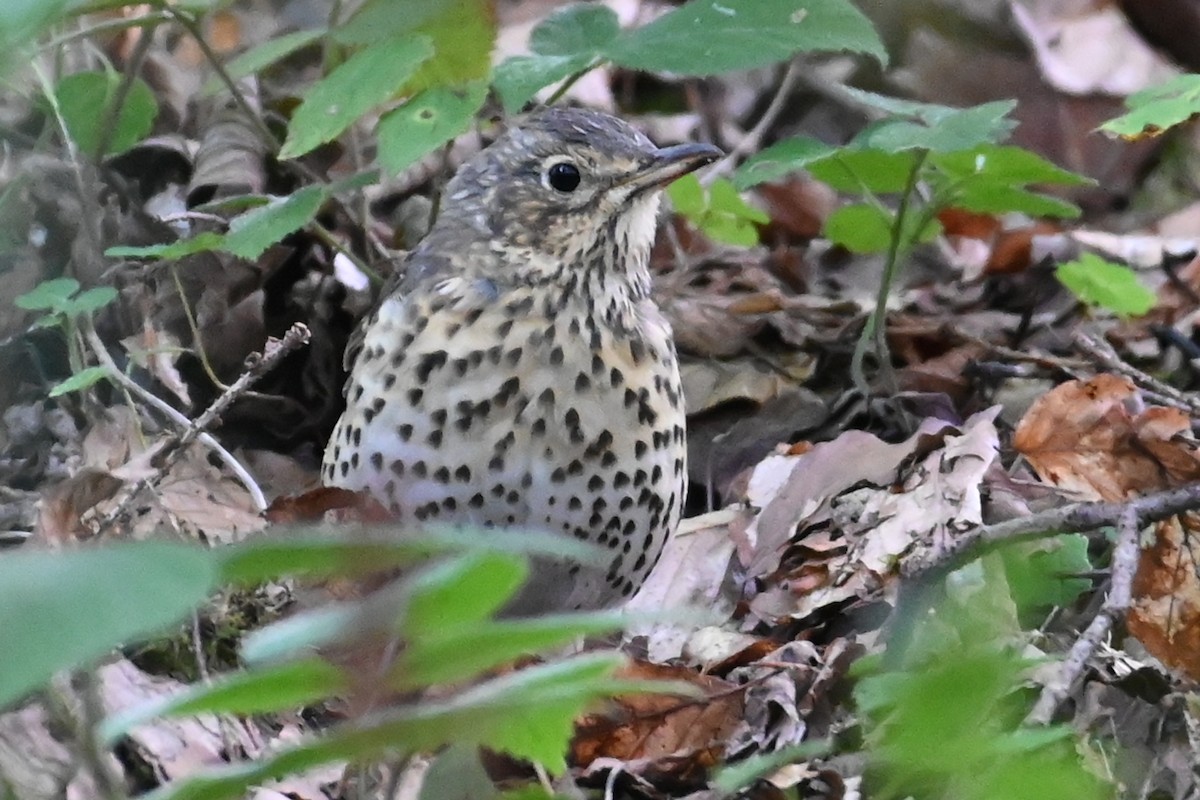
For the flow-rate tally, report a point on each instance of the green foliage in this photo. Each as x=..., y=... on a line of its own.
x=85, y=99
x=931, y=156
x=432, y=118
x=23, y=21
x=366, y=79
x=63, y=609
x=65, y=306
x=943, y=719
x=1102, y=283
x=1043, y=574
x=1154, y=110
x=699, y=38
x=720, y=211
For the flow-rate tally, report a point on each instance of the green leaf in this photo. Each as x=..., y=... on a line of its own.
x=310, y=551
x=720, y=212
x=253, y=232
x=708, y=37
x=990, y=197
x=583, y=28
x=687, y=196
x=366, y=79
x=84, y=379
x=860, y=228
x=21, y=23
x=174, y=251
x=93, y=299
x=1098, y=282
x=49, y=295
x=937, y=128
x=264, y=55
x=457, y=774
x=853, y=171
x=462, y=33
x=529, y=714
x=565, y=42
x=257, y=691
x=519, y=78
x=1006, y=164
x=724, y=199
x=84, y=97
x=59, y=610
x=425, y=122
x=780, y=159
x=1153, y=110
x=460, y=651
x=1041, y=574
x=467, y=588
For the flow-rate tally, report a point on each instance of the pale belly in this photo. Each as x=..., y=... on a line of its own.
x=517, y=421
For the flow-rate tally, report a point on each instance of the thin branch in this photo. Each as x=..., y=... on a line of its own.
x=1073, y=518
x=1106, y=356
x=196, y=430
x=753, y=138
x=1120, y=596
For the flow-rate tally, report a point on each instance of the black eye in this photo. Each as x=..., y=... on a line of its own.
x=564, y=176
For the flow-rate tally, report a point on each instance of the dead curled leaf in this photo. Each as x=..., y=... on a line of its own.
x=1096, y=438
x=654, y=726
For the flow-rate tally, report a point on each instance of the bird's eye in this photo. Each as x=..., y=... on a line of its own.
x=563, y=176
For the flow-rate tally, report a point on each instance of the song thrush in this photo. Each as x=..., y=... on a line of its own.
x=520, y=375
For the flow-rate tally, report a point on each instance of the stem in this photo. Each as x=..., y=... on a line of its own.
x=875, y=329
x=188, y=22
x=570, y=80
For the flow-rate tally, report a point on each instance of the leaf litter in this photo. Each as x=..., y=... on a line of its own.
x=806, y=503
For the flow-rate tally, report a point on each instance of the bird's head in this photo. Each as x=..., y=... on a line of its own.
x=567, y=185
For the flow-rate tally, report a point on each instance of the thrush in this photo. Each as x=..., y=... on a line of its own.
x=519, y=375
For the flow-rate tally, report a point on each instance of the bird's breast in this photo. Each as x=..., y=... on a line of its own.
x=522, y=411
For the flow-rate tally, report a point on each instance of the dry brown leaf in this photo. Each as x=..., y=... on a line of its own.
x=871, y=529
x=1082, y=436
x=654, y=726
x=1094, y=437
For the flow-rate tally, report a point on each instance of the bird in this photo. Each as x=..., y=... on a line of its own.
x=518, y=374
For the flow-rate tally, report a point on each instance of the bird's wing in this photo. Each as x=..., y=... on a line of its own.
x=418, y=267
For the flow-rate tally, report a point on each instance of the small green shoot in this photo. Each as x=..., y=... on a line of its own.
x=65, y=308
x=720, y=212
x=1103, y=284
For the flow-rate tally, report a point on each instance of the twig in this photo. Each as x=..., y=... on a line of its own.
x=753, y=138
x=195, y=430
x=1103, y=353
x=154, y=401
x=1120, y=595
x=1073, y=518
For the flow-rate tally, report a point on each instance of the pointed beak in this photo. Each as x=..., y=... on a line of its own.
x=670, y=163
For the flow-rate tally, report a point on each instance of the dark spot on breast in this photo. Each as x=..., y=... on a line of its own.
x=415, y=395
x=429, y=362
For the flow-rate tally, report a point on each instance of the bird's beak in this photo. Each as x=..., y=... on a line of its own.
x=670, y=163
